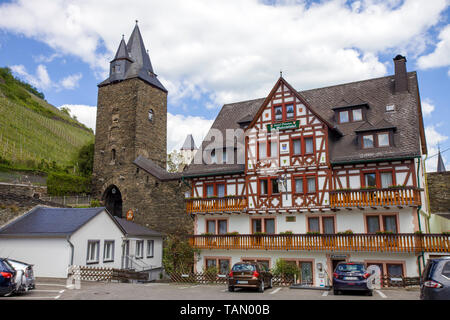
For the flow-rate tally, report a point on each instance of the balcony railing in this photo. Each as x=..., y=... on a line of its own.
x=412, y=243
x=403, y=196
x=226, y=204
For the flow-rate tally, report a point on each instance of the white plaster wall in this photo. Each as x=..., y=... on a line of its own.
x=102, y=228
x=50, y=256
x=146, y=262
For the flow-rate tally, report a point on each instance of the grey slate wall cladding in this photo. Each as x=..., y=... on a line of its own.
x=439, y=191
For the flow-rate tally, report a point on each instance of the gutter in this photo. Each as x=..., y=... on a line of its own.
x=212, y=174
x=72, y=250
x=370, y=161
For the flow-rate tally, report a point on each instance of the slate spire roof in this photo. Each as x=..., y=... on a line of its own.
x=140, y=66
x=189, y=143
x=440, y=166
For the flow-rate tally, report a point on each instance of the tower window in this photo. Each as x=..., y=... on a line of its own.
x=113, y=155
x=150, y=115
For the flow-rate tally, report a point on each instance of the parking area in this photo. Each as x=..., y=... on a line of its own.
x=55, y=289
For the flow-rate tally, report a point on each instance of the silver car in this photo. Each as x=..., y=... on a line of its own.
x=24, y=278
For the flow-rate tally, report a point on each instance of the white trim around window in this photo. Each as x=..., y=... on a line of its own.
x=139, y=249
x=108, y=251
x=93, y=251
x=150, y=248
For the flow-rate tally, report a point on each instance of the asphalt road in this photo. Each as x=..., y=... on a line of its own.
x=55, y=289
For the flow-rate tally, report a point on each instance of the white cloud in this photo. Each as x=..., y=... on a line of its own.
x=441, y=55
x=434, y=139
x=178, y=126
x=427, y=107
x=233, y=50
x=71, y=82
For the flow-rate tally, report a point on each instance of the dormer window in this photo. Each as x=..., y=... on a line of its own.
x=351, y=115
x=376, y=140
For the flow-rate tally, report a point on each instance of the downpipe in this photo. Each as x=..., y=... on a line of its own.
x=421, y=255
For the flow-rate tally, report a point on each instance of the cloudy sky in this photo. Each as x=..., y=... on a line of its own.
x=211, y=52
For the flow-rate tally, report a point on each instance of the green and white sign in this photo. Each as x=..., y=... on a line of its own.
x=283, y=126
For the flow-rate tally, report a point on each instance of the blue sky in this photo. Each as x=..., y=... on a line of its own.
x=211, y=52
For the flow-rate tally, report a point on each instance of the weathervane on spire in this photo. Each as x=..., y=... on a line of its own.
x=281, y=73
x=136, y=21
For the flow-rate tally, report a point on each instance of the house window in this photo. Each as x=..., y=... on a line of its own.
x=383, y=139
x=209, y=190
x=262, y=147
x=343, y=117
x=278, y=113
x=113, y=155
x=108, y=251
x=370, y=180
x=328, y=225
x=150, y=115
x=268, y=187
x=273, y=149
x=394, y=270
x=266, y=225
x=309, y=148
x=93, y=251
x=383, y=222
x=357, y=114
x=323, y=225
x=368, y=141
x=221, y=190
x=222, y=264
x=150, y=248
x=289, y=111
x=139, y=249
x=386, y=179
x=263, y=187
x=297, y=146
x=298, y=185
x=275, y=189
x=217, y=226
x=313, y=224
x=311, y=182
x=379, y=179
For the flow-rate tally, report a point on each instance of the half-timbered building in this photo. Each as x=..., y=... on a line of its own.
x=316, y=177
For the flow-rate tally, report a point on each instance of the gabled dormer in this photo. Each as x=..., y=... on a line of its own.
x=348, y=112
x=380, y=135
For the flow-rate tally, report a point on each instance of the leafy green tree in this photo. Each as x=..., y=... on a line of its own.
x=178, y=255
x=85, y=159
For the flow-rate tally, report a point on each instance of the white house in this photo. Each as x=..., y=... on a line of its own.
x=54, y=238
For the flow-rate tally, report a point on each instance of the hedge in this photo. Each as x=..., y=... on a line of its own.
x=62, y=184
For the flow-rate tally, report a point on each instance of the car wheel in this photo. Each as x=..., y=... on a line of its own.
x=271, y=283
x=336, y=292
x=231, y=289
x=370, y=293
x=261, y=287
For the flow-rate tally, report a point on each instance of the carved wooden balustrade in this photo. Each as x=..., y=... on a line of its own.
x=412, y=243
x=214, y=204
x=403, y=196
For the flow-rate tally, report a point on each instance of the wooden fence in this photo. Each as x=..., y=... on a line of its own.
x=87, y=273
x=208, y=278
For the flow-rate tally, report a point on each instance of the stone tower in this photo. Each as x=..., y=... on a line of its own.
x=131, y=137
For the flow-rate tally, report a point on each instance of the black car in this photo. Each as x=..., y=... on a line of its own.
x=351, y=276
x=435, y=282
x=7, y=275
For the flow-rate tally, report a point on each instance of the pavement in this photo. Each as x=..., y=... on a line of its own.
x=55, y=289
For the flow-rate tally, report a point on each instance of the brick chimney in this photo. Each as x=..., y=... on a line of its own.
x=401, y=78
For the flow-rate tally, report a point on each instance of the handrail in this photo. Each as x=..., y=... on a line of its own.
x=327, y=242
x=223, y=204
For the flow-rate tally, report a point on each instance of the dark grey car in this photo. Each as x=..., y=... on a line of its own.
x=435, y=282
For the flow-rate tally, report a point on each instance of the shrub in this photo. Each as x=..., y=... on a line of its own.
x=287, y=232
x=178, y=255
x=285, y=268
x=62, y=184
x=95, y=203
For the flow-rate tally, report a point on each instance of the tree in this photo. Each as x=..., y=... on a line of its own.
x=85, y=159
x=178, y=255
x=175, y=161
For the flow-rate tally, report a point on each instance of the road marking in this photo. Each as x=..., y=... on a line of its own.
x=381, y=294
x=37, y=290
x=275, y=291
x=21, y=298
x=50, y=284
x=224, y=290
x=183, y=287
x=195, y=286
x=325, y=294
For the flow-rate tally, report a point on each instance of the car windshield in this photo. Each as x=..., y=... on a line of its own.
x=350, y=268
x=243, y=267
x=6, y=265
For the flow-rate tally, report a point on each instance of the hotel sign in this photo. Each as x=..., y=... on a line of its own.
x=283, y=126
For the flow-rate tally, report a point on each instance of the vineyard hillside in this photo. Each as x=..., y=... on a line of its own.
x=32, y=130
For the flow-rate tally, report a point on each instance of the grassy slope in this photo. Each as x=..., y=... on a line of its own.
x=31, y=129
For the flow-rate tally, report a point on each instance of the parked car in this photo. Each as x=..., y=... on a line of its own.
x=351, y=276
x=249, y=275
x=7, y=274
x=24, y=278
x=435, y=281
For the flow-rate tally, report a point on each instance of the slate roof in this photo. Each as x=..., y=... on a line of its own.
x=375, y=93
x=141, y=67
x=189, y=143
x=155, y=170
x=50, y=222
x=133, y=229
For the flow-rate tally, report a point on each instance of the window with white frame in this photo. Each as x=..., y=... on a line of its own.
x=139, y=249
x=108, y=251
x=93, y=250
x=150, y=248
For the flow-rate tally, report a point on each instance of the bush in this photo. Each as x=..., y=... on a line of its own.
x=62, y=184
x=285, y=268
x=95, y=203
x=178, y=255
x=85, y=159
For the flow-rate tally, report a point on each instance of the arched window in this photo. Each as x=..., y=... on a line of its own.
x=150, y=115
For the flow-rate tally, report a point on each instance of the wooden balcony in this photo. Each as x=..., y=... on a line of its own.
x=406, y=243
x=211, y=205
x=404, y=196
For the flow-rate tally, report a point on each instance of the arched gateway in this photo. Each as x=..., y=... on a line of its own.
x=113, y=200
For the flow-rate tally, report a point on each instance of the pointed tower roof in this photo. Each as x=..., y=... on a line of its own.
x=122, y=52
x=141, y=67
x=440, y=166
x=189, y=143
